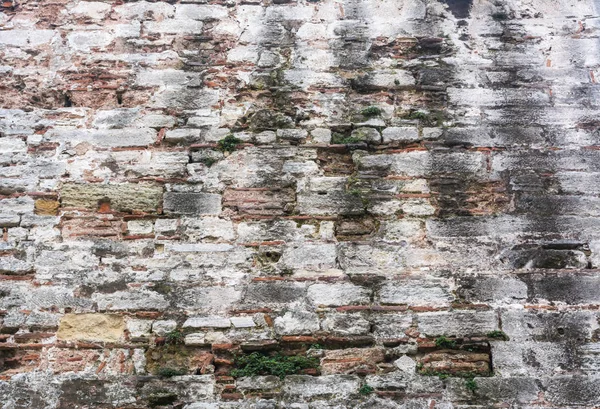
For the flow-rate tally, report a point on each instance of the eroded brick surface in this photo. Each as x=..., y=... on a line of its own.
x=399, y=197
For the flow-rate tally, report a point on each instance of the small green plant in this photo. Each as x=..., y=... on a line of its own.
x=471, y=385
x=208, y=161
x=339, y=139
x=229, y=143
x=366, y=390
x=439, y=374
x=278, y=365
x=355, y=192
x=170, y=372
x=497, y=335
x=162, y=288
x=371, y=111
x=418, y=115
x=174, y=337
x=397, y=81
x=161, y=398
x=316, y=346
x=443, y=342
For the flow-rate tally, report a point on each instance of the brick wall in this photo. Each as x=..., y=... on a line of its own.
x=307, y=204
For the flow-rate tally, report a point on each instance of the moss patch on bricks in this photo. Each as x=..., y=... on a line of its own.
x=371, y=111
x=278, y=364
x=443, y=342
x=340, y=139
x=366, y=390
x=229, y=143
x=499, y=335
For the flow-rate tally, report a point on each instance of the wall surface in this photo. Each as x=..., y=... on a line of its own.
x=399, y=197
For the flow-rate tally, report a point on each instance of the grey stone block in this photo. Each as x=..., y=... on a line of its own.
x=191, y=203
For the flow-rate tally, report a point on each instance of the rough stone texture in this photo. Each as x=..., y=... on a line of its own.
x=125, y=197
x=405, y=191
x=91, y=327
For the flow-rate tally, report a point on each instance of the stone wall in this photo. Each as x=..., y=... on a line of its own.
x=377, y=203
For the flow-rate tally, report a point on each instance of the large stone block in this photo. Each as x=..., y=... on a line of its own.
x=123, y=197
x=532, y=358
x=416, y=292
x=345, y=324
x=297, y=322
x=106, y=138
x=192, y=203
x=324, y=386
x=131, y=300
x=573, y=390
x=552, y=326
x=495, y=289
x=91, y=327
x=457, y=323
x=338, y=294
x=310, y=256
x=261, y=294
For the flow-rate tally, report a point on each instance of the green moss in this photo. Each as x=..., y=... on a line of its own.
x=443, y=342
x=440, y=374
x=162, y=288
x=366, y=390
x=208, y=161
x=170, y=372
x=471, y=385
x=445, y=375
x=432, y=118
x=278, y=365
x=371, y=111
x=161, y=398
x=417, y=115
x=229, y=143
x=339, y=139
x=174, y=337
x=498, y=335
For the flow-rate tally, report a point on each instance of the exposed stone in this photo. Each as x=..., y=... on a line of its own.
x=296, y=323
x=207, y=322
x=91, y=327
x=125, y=197
x=325, y=387
x=459, y=323
x=404, y=192
x=45, y=207
x=192, y=203
x=338, y=294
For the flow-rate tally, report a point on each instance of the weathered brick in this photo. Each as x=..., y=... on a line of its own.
x=352, y=360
